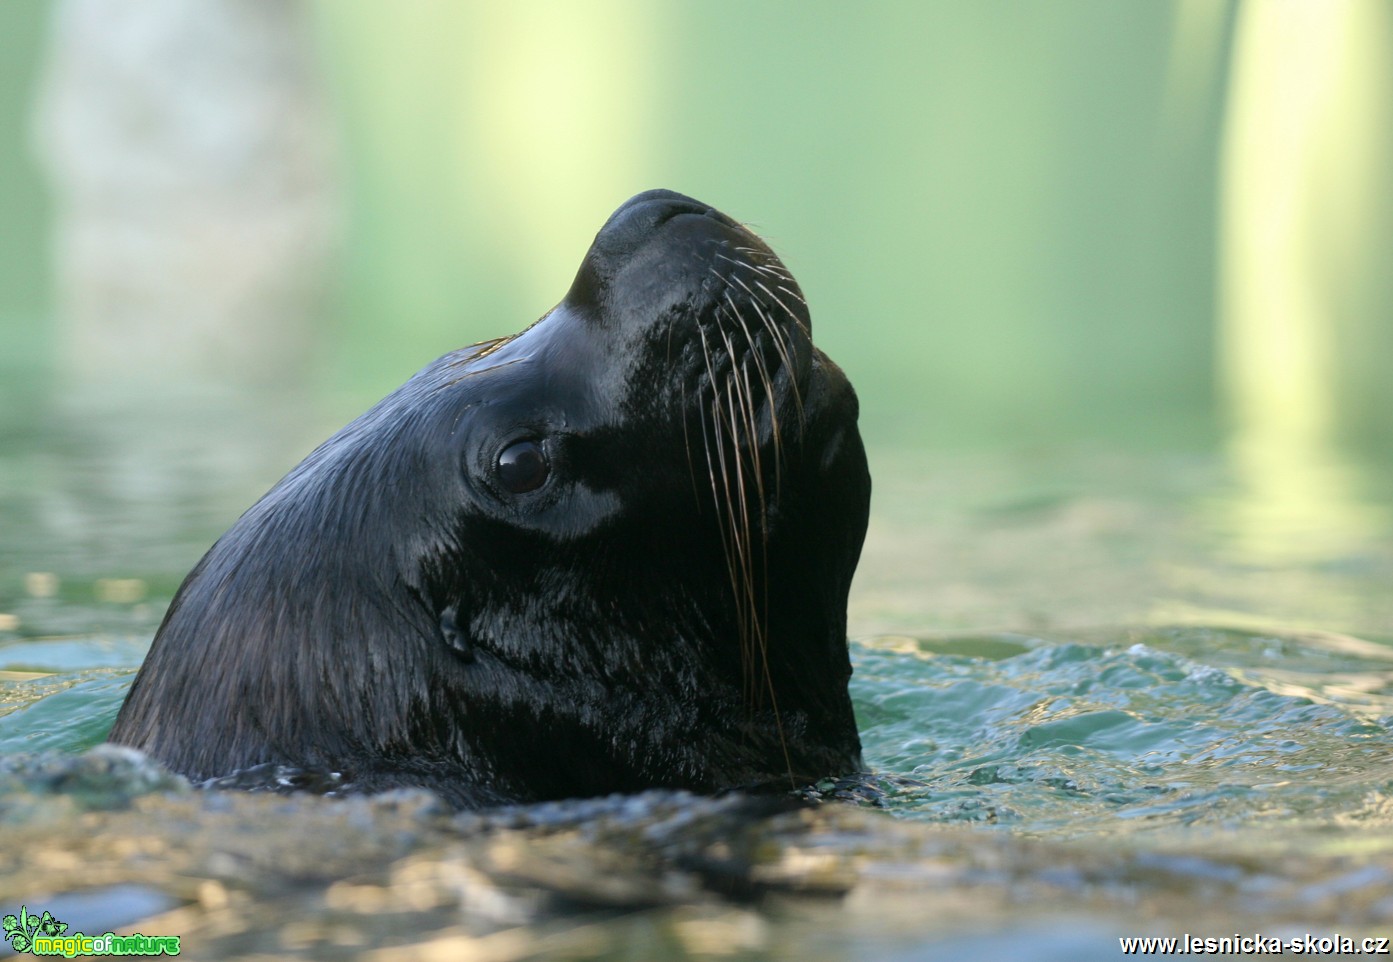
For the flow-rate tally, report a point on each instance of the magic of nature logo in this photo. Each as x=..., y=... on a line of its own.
x=45, y=935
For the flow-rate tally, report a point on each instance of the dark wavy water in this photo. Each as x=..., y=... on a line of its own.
x=1104, y=692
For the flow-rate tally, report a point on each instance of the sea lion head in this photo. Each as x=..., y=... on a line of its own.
x=610, y=552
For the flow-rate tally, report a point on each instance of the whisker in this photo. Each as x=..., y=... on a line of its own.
x=747, y=405
x=781, y=345
x=736, y=467
x=720, y=484
x=749, y=338
x=787, y=310
x=741, y=525
x=738, y=262
x=768, y=383
x=757, y=626
x=758, y=261
x=686, y=431
x=793, y=294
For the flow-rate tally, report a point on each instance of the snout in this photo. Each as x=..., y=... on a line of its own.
x=656, y=245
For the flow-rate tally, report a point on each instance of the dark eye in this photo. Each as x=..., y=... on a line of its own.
x=523, y=467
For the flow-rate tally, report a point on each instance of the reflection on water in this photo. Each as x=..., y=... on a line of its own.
x=1088, y=537
x=1298, y=503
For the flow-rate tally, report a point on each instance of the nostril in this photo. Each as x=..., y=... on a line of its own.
x=657, y=206
x=678, y=205
x=653, y=208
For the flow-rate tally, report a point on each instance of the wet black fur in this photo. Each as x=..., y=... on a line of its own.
x=391, y=611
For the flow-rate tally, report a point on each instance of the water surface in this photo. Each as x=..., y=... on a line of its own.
x=1107, y=692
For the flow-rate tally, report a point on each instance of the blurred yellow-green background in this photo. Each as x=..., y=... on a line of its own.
x=1148, y=223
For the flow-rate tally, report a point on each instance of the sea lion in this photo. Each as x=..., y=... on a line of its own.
x=608, y=553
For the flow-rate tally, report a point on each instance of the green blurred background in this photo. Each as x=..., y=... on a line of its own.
x=1148, y=223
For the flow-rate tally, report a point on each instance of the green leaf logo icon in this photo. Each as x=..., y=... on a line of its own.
x=21, y=930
